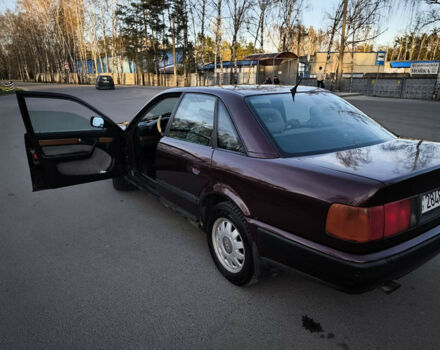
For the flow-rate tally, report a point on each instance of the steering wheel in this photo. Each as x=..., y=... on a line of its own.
x=158, y=126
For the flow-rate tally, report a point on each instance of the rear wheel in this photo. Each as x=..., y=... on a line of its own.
x=121, y=184
x=228, y=243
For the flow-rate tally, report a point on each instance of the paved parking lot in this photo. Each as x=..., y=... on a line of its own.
x=88, y=267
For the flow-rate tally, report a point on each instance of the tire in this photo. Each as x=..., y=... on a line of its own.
x=224, y=243
x=121, y=184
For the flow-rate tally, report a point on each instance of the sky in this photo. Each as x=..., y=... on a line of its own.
x=392, y=24
x=315, y=14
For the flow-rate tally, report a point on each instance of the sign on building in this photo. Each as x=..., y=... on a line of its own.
x=424, y=68
x=380, y=58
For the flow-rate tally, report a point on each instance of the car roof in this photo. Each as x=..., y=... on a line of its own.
x=246, y=90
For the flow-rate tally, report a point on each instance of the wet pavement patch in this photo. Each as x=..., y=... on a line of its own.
x=311, y=325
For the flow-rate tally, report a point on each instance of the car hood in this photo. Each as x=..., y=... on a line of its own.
x=386, y=162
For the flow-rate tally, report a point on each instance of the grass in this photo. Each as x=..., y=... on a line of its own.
x=9, y=92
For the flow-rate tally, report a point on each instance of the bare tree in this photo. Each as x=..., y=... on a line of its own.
x=264, y=7
x=289, y=11
x=218, y=38
x=342, y=45
x=238, y=10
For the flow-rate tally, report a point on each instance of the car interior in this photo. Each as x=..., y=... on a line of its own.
x=147, y=134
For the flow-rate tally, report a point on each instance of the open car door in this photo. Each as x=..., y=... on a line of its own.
x=67, y=141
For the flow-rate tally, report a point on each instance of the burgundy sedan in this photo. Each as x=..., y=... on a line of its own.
x=273, y=175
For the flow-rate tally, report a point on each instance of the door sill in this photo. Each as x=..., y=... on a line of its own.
x=144, y=182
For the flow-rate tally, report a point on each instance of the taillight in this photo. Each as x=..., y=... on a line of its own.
x=397, y=217
x=354, y=223
x=369, y=224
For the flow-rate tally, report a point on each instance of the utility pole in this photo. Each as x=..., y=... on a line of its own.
x=342, y=47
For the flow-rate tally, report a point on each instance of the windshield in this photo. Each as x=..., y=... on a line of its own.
x=314, y=123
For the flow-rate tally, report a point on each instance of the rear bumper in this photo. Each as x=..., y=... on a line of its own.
x=105, y=86
x=350, y=273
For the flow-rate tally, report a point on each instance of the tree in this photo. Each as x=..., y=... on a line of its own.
x=342, y=46
x=264, y=7
x=218, y=38
x=238, y=10
x=289, y=12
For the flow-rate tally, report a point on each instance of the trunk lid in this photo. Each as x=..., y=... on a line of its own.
x=387, y=162
x=406, y=167
x=390, y=162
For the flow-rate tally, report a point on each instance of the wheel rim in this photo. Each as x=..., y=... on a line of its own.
x=228, y=245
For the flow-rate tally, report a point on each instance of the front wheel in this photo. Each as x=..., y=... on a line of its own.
x=228, y=243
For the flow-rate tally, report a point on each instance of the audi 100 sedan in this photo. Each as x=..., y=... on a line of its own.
x=274, y=175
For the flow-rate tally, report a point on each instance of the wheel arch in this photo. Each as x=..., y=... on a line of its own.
x=217, y=194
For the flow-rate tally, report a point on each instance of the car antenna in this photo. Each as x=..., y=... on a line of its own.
x=293, y=90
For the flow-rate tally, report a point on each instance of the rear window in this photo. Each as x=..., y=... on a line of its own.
x=315, y=123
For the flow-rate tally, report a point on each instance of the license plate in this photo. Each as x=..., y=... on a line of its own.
x=430, y=201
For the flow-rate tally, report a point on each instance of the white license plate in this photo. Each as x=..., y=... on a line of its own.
x=430, y=201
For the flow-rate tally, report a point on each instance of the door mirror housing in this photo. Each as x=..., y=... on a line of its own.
x=97, y=122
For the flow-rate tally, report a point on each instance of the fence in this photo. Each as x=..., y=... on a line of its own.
x=416, y=88
x=167, y=80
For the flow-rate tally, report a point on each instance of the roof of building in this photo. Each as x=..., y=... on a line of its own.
x=271, y=56
x=226, y=64
x=272, y=59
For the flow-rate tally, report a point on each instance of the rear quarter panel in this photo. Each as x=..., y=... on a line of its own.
x=293, y=198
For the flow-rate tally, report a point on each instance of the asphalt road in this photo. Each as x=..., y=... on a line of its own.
x=88, y=267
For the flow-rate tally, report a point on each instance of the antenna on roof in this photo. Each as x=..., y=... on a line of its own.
x=293, y=90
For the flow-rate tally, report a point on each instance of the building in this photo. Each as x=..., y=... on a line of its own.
x=281, y=64
x=356, y=64
x=254, y=69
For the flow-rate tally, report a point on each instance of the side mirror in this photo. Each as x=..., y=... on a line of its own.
x=97, y=122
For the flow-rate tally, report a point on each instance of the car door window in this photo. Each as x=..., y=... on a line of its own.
x=227, y=137
x=58, y=115
x=194, y=119
x=163, y=107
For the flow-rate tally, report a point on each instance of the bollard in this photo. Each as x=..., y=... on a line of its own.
x=9, y=85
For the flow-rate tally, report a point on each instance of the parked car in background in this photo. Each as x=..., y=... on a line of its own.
x=104, y=82
x=273, y=175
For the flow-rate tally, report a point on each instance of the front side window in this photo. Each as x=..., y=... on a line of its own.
x=315, y=123
x=227, y=137
x=49, y=115
x=194, y=119
x=163, y=107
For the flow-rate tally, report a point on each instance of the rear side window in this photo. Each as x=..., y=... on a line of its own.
x=315, y=123
x=227, y=137
x=194, y=119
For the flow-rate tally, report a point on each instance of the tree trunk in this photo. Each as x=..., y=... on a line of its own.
x=174, y=51
x=342, y=46
x=202, y=34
